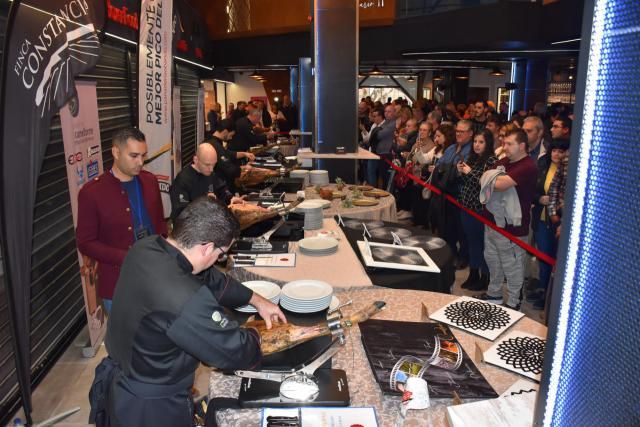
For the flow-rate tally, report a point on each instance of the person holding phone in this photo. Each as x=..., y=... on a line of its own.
x=480, y=159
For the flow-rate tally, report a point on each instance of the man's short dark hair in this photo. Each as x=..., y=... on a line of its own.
x=566, y=122
x=224, y=124
x=122, y=136
x=379, y=111
x=205, y=220
x=521, y=136
x=483, y=102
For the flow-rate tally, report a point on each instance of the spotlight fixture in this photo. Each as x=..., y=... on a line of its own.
x=256, y=75
x=496, y=72
x=376, y=71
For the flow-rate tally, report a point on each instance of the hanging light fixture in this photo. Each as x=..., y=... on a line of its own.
x=411, y=79
x=438, y=77
x=496, y=72
x=256, y=75
x=376, y=71
x=462, y=77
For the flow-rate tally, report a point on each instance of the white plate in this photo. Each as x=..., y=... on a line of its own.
x=319, y=172
x=304, y=309
x=335, y=302
x=307, y=290
x=269, y=290
x=318, y=244
x=314, y=203
x=310, y=303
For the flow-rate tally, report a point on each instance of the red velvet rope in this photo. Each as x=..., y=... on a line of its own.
x=534, y=251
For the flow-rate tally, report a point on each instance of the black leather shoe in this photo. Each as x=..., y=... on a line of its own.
x=472, y=280
x=535, y=295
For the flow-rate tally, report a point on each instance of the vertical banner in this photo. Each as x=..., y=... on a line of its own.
x=177, y=132
x=83, y=151
x=47, y=43
x=201, y=118
x=154, y=90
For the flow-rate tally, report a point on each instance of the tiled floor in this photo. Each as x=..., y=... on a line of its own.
x=67, y=384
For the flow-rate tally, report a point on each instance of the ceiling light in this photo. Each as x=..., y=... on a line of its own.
x=567, y=41
x=256, y=75
x=463, y=77
x=496, y=72
x=376, y=71
x=466, y=52
x=438, y=77
x=411, y=79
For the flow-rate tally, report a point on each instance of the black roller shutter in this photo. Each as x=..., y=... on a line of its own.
x=8, y=379
x=188, y=80
x=57, y=302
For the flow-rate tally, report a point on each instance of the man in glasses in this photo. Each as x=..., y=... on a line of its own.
x=168, y=316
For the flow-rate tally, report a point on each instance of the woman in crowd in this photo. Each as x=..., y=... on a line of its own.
x=543, y=230
x=426, y=158
x=445, y=136
x=407, y=189
x=480, y=159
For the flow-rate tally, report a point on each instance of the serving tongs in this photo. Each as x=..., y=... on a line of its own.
x=298, y=384
x=261, y=243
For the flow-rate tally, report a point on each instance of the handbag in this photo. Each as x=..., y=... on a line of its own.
x=426, y=192
x=402, y=176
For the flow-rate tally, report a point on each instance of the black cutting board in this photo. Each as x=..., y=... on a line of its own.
x=386, y=341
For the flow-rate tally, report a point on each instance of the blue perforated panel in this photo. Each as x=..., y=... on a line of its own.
x=594, y=380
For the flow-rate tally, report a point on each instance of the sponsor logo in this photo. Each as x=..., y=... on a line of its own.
x=74, y=158
x=122, y=16
x=93, y=150
x=92, y=169
x=80, y=174
x=164, y=186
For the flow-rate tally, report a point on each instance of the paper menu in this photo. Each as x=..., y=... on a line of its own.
x=325, y=416
x=264, y=260
x=276, y=260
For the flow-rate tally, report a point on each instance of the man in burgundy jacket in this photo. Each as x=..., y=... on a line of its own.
x=117, y=208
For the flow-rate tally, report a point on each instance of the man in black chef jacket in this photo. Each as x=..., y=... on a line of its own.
x=167, y=316
x=199, y=179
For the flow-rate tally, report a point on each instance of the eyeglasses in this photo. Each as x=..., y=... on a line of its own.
x=556, y=127
x=223, y=252
x=462, y=131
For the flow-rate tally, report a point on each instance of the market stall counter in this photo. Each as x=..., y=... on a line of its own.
x=473, y=380
x=345, y=269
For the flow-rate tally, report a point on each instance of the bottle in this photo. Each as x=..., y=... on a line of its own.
x=283, y=336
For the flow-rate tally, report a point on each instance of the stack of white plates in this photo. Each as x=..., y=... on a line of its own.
x=302, y=174
x=313, y=219
x=269, y=290
x=306, y=296
x=312, y=204
x=319, y=177
x=318, y=246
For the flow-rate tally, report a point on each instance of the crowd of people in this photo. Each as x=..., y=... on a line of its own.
x=474, y=154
